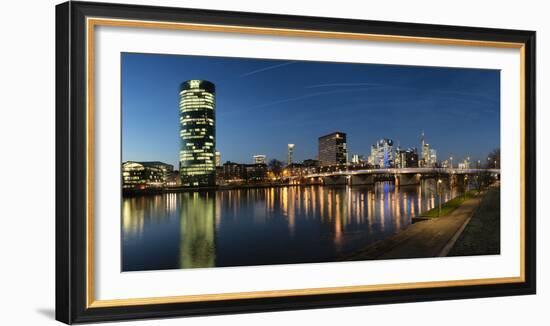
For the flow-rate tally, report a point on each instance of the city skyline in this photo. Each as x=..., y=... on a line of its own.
x=264, y=105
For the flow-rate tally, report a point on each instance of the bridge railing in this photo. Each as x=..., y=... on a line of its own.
x=402, y=171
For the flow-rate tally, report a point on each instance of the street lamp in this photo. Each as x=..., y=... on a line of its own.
x=439, y=194
x=451, y=158
x=465, y=185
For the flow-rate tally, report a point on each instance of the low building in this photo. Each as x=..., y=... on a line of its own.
x=173, y=179
x=255, y=172
x=311, y=166
x=234, y=171
x=294, y=170
x=144, y=175
x=237, y=172
x=310, y=163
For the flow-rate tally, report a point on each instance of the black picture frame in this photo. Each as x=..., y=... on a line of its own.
x=71, y=158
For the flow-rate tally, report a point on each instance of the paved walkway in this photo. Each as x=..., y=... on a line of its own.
x=423, y=239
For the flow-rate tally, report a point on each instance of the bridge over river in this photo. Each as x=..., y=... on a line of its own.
x=401, y=176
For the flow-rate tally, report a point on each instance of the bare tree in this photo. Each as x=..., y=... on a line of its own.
x=276, y=167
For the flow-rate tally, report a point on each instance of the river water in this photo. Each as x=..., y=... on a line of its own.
x=278, y=225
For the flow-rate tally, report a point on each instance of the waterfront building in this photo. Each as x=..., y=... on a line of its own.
x=311, y=166
x=173, y=179
x=219, y=175
x=382, y=154
x=294, y=170
x=255, y=172
x=237, y=172
x=290, y=153
x=145, y=175
x=311, y=163
x=333, y=149
x=218, y=159
x=233, y=171
x=197, y=133
x=259, y=159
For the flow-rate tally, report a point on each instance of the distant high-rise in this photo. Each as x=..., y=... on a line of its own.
x=290, y=153
x=218, y=159
x=426, y=161
x=429, y=155
x=197, y=133
x=406, y=158
x=357, y=159
x=433, y=157
x=333, y=149
x=464, y=164
x=382, y=154
x=259, y=159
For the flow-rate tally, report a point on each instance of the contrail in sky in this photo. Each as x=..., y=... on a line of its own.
x=267, y=68
x=305, y=96
x=343, y=85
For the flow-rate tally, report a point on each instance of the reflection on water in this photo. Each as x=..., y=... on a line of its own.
x=197, y=239
x=266, y=225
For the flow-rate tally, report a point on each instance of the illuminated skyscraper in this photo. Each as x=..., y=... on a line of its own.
x=433, y=157
x=358, y=159
x=406, y=158
x=382, y=153
x=426, y=154
x=429, y=155
x=197, y=133
x=290, y=153
x=259, y=159
x=333, y=149
x=218, y=159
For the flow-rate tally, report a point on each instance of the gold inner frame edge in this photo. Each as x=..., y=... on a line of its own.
x=91, y=22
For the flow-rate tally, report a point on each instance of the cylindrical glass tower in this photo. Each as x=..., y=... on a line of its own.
x=197, y=133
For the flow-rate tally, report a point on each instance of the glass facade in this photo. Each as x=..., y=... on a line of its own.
x=406, y=158
x=382, y=153
x=197, y=133
x=144, y=175
x=333, y=149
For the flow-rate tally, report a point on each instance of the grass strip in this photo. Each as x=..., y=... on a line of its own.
x=450, y=206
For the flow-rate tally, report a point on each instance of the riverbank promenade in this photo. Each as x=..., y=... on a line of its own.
x=429, y=238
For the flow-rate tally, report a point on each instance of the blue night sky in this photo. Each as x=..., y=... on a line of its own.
x=262, y=105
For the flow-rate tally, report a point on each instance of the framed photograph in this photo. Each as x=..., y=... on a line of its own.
x=213, y=162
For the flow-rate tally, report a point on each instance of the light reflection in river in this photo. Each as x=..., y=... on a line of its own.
x=266, y=225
